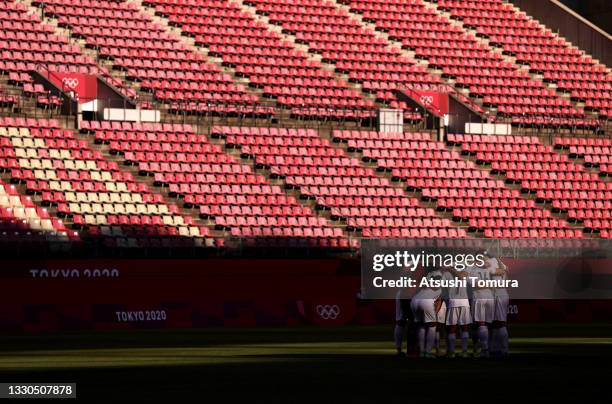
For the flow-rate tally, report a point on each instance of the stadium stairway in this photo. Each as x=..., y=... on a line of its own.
x=457, y=21
x=107, y=66
x=111, y=155
x=338, y=140
x=190, y=42
x=383, y=35
x=594, y=154
x=304, y=48
x=273, y=179
x=342, y=198
x=418, y=36
x=67, y=179
x=408, y=53
x=571, y=204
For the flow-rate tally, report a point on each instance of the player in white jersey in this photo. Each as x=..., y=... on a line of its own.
x=458, y=314
x=482, y=305
x=499, y=332
x=426, y=309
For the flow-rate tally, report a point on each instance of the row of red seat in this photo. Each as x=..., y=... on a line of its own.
x=454, y=190
x=262, y=55
x=129, y=46
x=531, y=43
x=552, y=177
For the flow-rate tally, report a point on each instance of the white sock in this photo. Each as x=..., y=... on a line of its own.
x=483, y=336
x=421, y=338
x=450, y=343
x=494, y=340
x=465, y=337
x=399, y=336
x=430, y=339
x=503, y=340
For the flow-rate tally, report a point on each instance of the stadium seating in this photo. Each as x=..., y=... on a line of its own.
x=291, y=186
x=595, y=152
x=170, y=70
x=352, y=48
x=545, y=53
x=338, y=184
x=21, y=219
x=229, y=193
x=26, y=44
x=79, y=183
x=549, y=176
x=471, y=64
x=456, y=185
x=270, y=62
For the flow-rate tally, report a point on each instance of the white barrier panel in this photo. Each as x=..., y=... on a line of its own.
x=132, y=115
x=91, y=106
x=488, y=128
x=390, y=120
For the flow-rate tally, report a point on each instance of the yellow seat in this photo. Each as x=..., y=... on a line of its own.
x=142, y=209
x=13, y=132
x=82, y=197
x=85, y=208
x=47, y=164
x=108, y=208
x=68, y=164
x=80, y=165
x=50, y=174
x=130, y=209
x=46, y=225
x=104, y=197
x=96, y=208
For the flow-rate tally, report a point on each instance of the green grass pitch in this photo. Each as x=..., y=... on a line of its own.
x=309, y=365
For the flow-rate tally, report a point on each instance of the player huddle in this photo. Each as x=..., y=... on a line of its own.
x=458, y=310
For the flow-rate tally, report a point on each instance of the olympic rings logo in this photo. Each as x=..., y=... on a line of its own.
x=427, y=99
x=71, y=83
x=328, y=311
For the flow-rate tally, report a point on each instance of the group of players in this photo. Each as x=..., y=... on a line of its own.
x=456, y=310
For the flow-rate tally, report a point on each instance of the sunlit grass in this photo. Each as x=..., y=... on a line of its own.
x=247, y=353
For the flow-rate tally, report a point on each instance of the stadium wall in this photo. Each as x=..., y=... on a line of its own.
x=56, y=295
x=573, y=27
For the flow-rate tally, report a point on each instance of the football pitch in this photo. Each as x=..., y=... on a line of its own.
x=309, y=365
